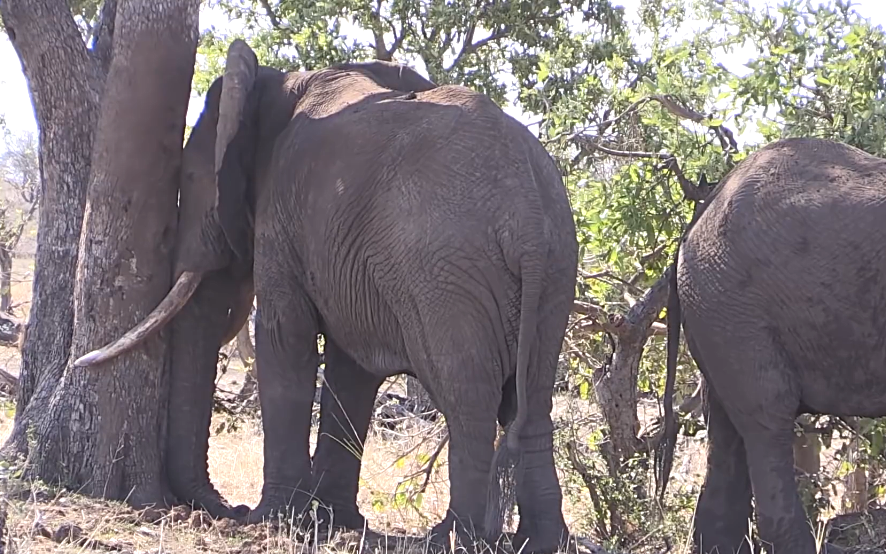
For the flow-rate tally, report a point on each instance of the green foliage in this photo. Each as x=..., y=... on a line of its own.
x=819, y=72
x=477, y=44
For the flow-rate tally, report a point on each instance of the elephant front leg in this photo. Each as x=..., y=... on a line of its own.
x=345, y=411
x=286, y=362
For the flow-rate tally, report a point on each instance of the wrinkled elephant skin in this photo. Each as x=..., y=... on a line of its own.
x=782, y=284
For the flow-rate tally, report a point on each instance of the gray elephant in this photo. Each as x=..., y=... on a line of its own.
x=782, y=284
x=422, y=232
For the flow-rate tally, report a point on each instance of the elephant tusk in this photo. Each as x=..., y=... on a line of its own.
x=174, y=301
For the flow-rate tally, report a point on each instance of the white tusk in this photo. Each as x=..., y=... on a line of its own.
x=174, y=301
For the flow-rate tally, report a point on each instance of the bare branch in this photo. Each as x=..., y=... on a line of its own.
x=8, y=381
x=432, y=461
x=469, y=47
x=270, y=13
x=669, y=161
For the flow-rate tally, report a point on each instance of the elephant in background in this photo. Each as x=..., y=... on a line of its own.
x=421, y=230
x=782, y=285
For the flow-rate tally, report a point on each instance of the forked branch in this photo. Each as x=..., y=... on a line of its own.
x=591, y=143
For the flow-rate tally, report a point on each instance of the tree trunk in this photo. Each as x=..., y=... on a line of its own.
x=246, y=350
x=855, y=498
x=65, y=84
x=807, y=461
x=615, y=384
x=102, y=432
x=5, y=278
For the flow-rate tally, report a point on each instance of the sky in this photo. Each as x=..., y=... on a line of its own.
x=16, y=108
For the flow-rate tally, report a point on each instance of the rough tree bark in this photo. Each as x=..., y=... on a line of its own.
x=856, y=498
x=246, y=350
x=102, y=430
x=65, y=83
x=615, y=383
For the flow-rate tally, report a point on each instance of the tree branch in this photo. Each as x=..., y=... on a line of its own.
x=469, y=47
x=29, y=23
x=270, y=13
x=589, y=143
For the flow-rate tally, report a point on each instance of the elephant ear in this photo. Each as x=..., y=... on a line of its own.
x=234, y=147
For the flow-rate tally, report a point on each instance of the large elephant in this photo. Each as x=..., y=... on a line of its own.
x=782, y=285
x=423, y=232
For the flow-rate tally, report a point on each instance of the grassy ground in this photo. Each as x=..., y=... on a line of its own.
x=41, y=520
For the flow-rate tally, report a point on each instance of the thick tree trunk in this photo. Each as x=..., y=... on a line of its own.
x=807, y=461
x=246, y=350
x=615, y=384
x=103, y=431
x=65, y=85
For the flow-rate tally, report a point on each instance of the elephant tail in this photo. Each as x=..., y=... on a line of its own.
x=664, y=452
x=506, y=463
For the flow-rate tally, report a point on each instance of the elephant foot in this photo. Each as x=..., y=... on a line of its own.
x=211, y=502
x=151, y=498
x=340, y=517
x=279, y=504
x=543, y=537
x=471, y=540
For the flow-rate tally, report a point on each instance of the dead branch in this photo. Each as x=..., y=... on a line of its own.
x=590, y=482
x=8, y=381
x=272, y=16
x=432, y=461
x=692, y=403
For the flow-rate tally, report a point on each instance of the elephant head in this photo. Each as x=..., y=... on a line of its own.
x=226, y=153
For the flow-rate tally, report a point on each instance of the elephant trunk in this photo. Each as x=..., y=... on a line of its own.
x=199, y=331
x=174, y=301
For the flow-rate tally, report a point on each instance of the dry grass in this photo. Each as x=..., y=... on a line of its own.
x=392, y=466
x=52, y=521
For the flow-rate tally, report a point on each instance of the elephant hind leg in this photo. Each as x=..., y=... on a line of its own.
x=542, y=528
x=723, y=513
x=755, y=386
x=346, y=407
x=472, y=430
x=460, y=370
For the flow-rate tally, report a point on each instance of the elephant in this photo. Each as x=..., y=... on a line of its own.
x=780, y=286
x=420, y=230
